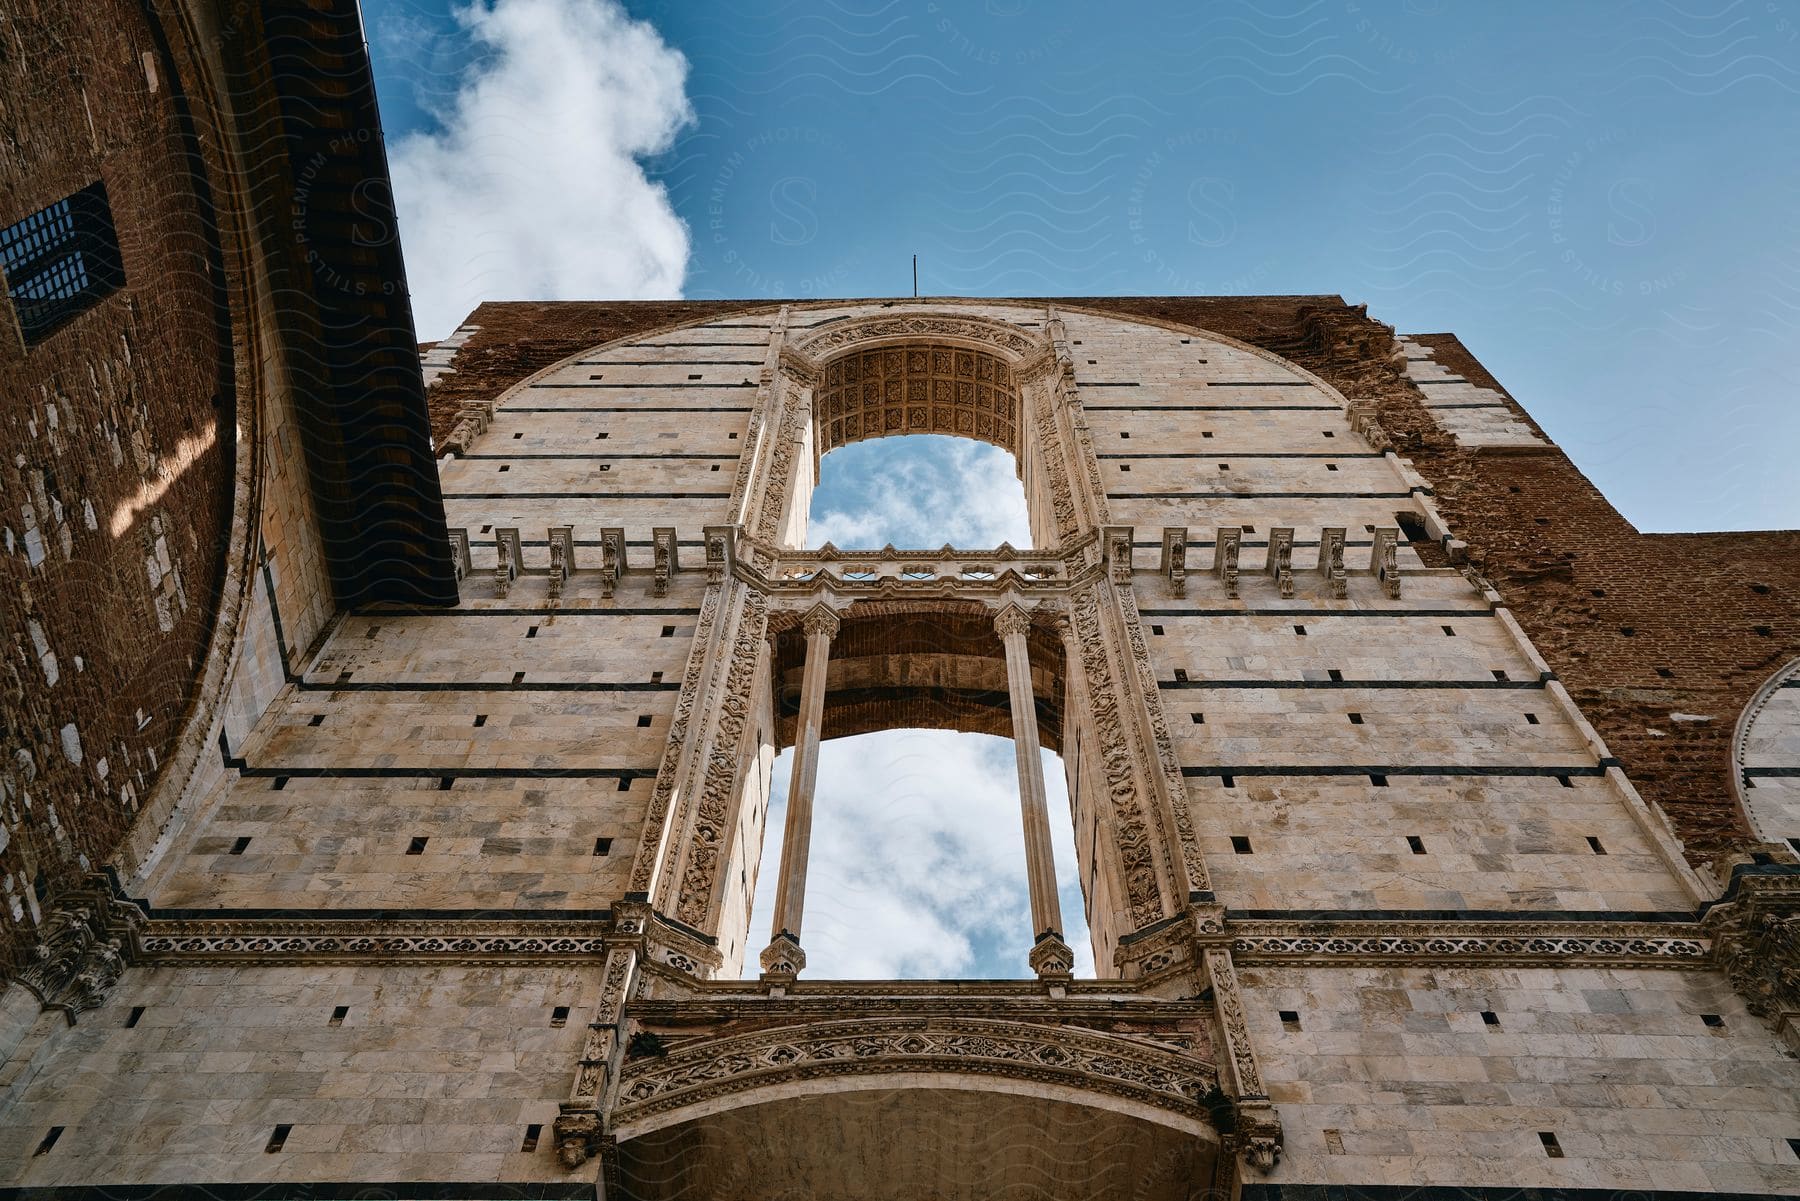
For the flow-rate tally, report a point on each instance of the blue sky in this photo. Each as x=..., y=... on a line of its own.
x=1601, y=199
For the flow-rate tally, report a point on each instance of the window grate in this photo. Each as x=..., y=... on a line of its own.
x=61, y=261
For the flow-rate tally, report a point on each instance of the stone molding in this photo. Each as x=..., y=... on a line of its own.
x=702, y=1071
x=1740, y=741
x=274, y=941
x=1512, y=944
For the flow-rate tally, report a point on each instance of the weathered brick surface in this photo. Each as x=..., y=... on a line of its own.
x=114, y=497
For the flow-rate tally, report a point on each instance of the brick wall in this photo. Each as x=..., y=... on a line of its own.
x=117, y=429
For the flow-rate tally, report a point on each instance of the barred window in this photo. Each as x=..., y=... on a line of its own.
x=60, y=261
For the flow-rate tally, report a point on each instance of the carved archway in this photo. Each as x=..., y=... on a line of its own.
x=925, y=373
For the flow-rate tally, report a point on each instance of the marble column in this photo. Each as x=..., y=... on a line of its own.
x=783, y=956
x=1050, y=956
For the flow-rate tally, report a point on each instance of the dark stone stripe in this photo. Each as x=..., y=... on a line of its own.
x=587, y=496
x=1260, y=383
x=1314, y=614
x=337, y=772
x=570, y=611
x=1238, y=454
x=262, y=1191
x=1345, y=769
x=1177, y=685
x=668, y=363
x=761, y=345
x=688, y=384
x=489, y=686
x=1470, y=405
x=602, y=456
x=1441, y=379
x=1096, y=383
x=1212, y=408
x=1248, y=495
x=498, y=413
x=1773, y=773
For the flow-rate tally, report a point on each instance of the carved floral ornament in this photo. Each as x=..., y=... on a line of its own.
x=703, y=1071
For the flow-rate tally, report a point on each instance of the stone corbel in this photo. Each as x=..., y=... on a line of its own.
x=667, y=558
x=612, y=559
x=1280, y=563
x=1384, y=560
x=1331, y=562
x=1228, y=541
x=1174, y=559
x=721, y=551
x=1115, y=542
x=1362, y=420
x=82, y=949
x=460, y=563
x=562, y=558
x=509, y=562
x=1756, y=940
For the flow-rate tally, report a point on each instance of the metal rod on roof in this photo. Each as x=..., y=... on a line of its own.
x=915, y=276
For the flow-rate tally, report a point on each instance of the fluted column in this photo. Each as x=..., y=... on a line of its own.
x=1050, y=955
x=783, y=956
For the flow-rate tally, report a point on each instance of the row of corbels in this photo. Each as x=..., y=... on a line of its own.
x=614, y=557
x=1383, y=564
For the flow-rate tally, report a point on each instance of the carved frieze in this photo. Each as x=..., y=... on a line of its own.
x=714, y=814
x=699, y=1071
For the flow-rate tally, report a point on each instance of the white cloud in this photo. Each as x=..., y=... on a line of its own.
x=917, y=866
x=919, y=492
x=532, y=187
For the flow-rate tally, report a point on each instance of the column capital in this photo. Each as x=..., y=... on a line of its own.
x=1012, y=620
x=821, y=619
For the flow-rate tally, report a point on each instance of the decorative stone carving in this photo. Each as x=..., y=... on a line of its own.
x=509, y=562
x=1418, y=943
x=1280, y=562
x=778, y=485
x=577, y=1132
x=720, y=544
x=562, y=557
x=697, y=1072
x=1228, y=541
x=1116, y=542
x=1331, y=562
x=821, y=619
x=460, y=562
x=1384, y=560
x=1009, y=621
x=1756, y=937
x=783, y=959
x=612, y=560
x=656, y=821
x=667, y=559
x=1174, y=559
x=1130, y=822
x=1051, y=958
x=918, y=389
x=713, y=815
x=919, y=327
x=1257, y=1126
x=81, y=951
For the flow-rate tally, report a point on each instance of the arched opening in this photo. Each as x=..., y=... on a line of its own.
x=920, y=859
x=887, y=1140
x=917, y=445
x=917, y=868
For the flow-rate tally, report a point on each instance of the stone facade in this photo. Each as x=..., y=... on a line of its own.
x=1434, y=826
x=1373, y=902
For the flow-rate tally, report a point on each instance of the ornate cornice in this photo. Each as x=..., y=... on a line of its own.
x=1471, y=944
x=280, y=941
